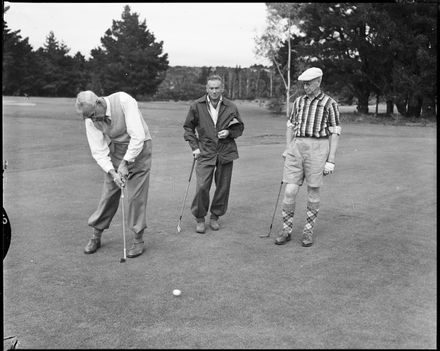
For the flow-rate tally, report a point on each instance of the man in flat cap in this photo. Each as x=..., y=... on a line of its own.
x=311, y=141
x=120, y=143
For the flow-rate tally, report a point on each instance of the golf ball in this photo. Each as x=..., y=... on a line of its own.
x=176, y=292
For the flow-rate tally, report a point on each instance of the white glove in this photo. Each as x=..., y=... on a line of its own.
x=329, y=168
x=196, y=153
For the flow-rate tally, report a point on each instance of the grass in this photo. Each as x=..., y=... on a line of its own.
x=368, y=282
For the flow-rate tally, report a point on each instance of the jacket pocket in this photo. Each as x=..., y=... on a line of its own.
x=227, y=150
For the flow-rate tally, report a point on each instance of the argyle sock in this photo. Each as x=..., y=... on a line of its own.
x=287, y=211
x=311, y=213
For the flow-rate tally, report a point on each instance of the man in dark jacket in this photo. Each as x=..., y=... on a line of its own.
x=217, y=123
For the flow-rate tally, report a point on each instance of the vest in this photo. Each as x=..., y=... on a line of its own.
x=117, y=130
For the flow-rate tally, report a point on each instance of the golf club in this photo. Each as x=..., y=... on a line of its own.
x=186, y=194
x=274, y=211
x=123, y=225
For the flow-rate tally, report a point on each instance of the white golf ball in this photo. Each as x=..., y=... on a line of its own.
x=176, y=292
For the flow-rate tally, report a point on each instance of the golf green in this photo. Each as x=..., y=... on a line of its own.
x=369, y=281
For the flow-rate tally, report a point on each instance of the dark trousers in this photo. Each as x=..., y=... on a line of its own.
x=136, y=191
x=222, y=174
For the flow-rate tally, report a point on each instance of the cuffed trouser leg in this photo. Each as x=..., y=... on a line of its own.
x=200, y=203
x=107, y=206
x=222, y=178
x=137, y=189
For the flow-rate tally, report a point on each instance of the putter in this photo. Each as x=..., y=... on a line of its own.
x=274, y=211
x=179, y=229
x=123, y=259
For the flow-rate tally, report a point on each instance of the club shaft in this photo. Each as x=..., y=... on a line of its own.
x=123, y=221
x=187, y=188
x=276, y=205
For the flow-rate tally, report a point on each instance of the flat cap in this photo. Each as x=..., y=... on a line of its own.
x=311, y=73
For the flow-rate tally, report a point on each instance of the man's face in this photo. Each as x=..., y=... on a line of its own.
x=311, y=87
x=98, y=111
x=214, y=88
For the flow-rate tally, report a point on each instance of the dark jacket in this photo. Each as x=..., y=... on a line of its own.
x=211, y=147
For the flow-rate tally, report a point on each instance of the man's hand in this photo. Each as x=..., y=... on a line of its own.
x=120, y=181
x=223, y=134
x=329, y=168
x=123, y=170
x=284, y=154
x=196, y=153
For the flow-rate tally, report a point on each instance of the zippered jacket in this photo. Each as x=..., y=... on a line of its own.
x=198, y=120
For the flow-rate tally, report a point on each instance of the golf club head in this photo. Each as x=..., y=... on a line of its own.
x=122, y=260
x=265, y=235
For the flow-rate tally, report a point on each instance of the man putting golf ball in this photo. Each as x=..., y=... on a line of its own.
x=311, y=141
x=120, y=143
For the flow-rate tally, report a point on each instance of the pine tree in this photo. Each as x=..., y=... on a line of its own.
x=130, y=59
x=17, y=62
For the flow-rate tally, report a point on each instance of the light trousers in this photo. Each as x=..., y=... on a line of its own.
x=136, y=193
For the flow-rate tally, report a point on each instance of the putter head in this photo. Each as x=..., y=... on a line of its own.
x=265, y=235
x=122, y=260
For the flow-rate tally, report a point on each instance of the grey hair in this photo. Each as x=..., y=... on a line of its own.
x=215, y=77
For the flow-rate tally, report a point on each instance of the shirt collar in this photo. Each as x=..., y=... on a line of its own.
x=320, y=96
x=219, y=101
x=108, y=111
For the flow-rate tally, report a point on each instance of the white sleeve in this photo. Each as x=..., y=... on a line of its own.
x=135, y=129
x=98, y=146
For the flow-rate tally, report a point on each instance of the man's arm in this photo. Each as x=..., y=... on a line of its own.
x=236, y=126
x=98, y=146
x=290, y=136
x=190, y=126
x=135, y=128
x=100, y=151
x=333, y=141
x=335, y=131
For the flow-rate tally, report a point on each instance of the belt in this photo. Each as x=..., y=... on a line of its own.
x=313, y=137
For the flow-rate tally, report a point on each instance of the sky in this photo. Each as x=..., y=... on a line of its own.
x=193, y=34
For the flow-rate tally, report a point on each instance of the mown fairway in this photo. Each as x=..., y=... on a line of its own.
x=368, y=282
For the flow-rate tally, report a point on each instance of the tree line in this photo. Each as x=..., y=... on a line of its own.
x=367, y=51
x=128, y=59
x=244, y=83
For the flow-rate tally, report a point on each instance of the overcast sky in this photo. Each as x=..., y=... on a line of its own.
x=194, y=34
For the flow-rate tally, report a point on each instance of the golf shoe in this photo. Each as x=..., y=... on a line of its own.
x=92, y=246
x=200, y=227
x=136, y=249
x=213, y=223
x=307, y=239
x=282, y=238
